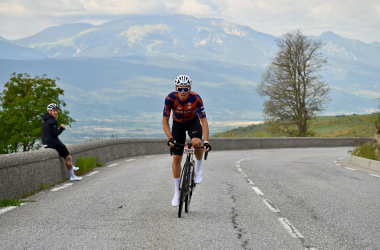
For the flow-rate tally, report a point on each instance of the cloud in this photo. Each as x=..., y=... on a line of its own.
x=351, y=18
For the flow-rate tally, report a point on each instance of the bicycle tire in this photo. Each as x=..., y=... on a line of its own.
x=183, y=189
x=191, y=188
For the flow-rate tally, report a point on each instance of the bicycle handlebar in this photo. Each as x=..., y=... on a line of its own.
x=178, y=144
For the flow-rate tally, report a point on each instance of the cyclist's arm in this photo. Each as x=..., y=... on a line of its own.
x=166, y=126
x=205, y=128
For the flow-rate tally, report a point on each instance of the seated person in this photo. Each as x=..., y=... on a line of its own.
x=50, y=132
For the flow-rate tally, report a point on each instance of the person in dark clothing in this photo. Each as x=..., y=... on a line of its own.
x=50, y=133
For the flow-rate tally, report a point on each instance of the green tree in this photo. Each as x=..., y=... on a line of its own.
x=23, y=103
x=292, y=85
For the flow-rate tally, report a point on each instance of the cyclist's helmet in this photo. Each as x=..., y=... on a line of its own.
x=52, y=106
x=182, y=80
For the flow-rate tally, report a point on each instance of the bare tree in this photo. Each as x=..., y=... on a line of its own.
x=292, y=85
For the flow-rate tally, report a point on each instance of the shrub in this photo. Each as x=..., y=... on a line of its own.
x=367, y=150
x=87, y=164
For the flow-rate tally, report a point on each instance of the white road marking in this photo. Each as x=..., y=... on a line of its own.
x=130, y=160
x=240, y=170
x=290, y=228
x=244, y=175
x=341, y=158
x=92, y=173
x=335, y=161
x=112, y=165
x=61, y=187
x=149, y=156
x=271, y=206
x=6, y=209
x=257, y=191
x=375, y=175
x=250, y=182
x=337, y=164
x=350, y=169
x=3, y=210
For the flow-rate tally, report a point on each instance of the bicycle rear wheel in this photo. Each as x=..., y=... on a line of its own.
x=183, y=188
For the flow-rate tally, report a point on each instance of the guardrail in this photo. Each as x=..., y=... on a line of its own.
x=21, y=173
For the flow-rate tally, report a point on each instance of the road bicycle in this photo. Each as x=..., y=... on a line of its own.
x=187, y=184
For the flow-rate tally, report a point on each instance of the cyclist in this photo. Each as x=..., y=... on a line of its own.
x=50, y=132
x=188, y=115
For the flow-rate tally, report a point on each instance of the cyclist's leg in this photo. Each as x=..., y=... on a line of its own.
x=195, y=133
x=179, y=135
x=198, y=151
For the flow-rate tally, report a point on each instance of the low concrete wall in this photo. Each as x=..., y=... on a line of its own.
x=21, y=173
x=365, y=163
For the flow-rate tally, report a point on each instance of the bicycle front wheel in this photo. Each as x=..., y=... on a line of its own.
x=183, y=188
x=190, y=188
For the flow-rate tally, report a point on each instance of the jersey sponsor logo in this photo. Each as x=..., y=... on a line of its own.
x=179, y=108
x=183, y=112
x=189, y=107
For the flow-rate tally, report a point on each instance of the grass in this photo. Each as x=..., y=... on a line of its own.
x=368, y=151
x=323, y=126
x=87, y=164
x=9, y=202
x=43, y=187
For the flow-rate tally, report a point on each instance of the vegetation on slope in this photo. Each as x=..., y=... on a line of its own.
x=323, y=126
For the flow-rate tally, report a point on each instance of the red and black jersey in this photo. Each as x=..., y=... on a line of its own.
x=184, y=111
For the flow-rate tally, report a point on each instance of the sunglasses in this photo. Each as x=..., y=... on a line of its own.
x=183, y=89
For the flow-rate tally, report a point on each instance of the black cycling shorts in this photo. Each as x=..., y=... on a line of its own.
x=193, y=128
x=62, y=151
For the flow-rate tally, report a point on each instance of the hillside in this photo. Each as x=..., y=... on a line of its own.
x=324, y=126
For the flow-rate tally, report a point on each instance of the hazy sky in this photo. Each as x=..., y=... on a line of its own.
x=355, y=19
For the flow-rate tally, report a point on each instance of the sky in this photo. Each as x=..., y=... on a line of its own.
x=354, y=19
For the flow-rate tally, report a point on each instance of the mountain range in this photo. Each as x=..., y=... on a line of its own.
x=125, y=68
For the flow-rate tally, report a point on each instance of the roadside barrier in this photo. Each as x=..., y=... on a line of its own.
x=21, y=173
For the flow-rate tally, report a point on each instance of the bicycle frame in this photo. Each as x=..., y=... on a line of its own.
x=187, y=184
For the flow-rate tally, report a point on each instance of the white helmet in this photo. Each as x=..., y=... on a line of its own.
x=182, y=80
x=52, y=106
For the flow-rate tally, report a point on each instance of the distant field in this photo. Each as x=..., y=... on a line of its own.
x=84, y=130
x=324, y=126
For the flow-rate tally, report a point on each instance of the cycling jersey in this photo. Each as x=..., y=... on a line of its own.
x=184, y=112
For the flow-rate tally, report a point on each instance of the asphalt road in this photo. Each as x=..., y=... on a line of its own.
x=255, y=199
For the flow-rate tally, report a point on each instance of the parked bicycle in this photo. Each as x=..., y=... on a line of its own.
x=187, y=184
